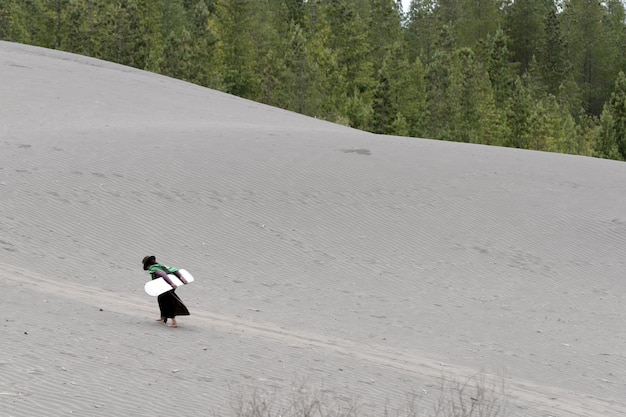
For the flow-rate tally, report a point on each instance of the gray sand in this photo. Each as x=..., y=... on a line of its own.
x=369, y=266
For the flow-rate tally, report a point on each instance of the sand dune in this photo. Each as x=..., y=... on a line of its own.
x=368, y=265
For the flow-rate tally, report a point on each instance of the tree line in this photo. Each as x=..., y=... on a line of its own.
x=534, y=74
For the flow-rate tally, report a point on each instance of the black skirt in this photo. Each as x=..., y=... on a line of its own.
x=171, y=306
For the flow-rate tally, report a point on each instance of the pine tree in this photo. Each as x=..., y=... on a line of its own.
x=611, y=142
x=524, y=25
x=478, y=20
x=14, y=21
x=589, y=50
x=338, y=46
x=519, y=109
x=461, y=100
x=177, y=54
x=296, y=11
x=554, y=69
x=275, y=75
x=393, y=78
x=236, y=26
x=448, y=12
x=606, y=143
x=438, y=81
x=551, y=129
x=421, y=29
x=502, y=72
x=412, y=106
x=617, y=104
x=615, y=26
x=203, y=68
x=302, y=69
x=384, y=30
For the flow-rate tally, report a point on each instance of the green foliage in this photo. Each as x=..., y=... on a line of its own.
x=497, y=59
x=384, y=30
x=590, y=50
x=478, y=20
x=617, y=106
x=611, y=141
x=586, y=132
x=534, y=74
x=554, y=68
x=606, y=144
x=203, y=65
x=524, y=25
x=299, y=61
x=461, y=100
x=236, y=24
x=14, y=19
x=393, y=77
x=519, y=109
x=421, y=29
x=550, y=130
x=413, y=110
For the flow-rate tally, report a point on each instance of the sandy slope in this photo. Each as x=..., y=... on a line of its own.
x=368, y=265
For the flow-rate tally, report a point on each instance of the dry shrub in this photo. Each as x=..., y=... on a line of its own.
x=474, y=397
x=302, y=402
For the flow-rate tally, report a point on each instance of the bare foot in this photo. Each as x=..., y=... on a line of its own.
x=173, y=323
x=160, y=319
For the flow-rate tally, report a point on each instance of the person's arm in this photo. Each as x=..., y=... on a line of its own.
x=163, y=275
x=180, y=277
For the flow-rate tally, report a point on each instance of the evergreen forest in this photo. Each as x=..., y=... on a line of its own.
x=545, y=75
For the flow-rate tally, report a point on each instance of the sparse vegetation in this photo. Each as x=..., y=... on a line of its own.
x=472, y=397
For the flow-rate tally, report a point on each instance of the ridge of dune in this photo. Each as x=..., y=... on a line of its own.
x=367, y=264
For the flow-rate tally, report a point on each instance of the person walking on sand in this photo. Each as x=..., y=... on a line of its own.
x=169, y=302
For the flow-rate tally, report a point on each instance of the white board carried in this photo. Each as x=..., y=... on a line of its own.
x=159, y=286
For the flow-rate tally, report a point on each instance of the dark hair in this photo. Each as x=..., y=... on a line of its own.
x=147, y=261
